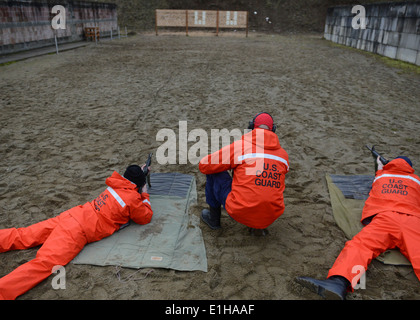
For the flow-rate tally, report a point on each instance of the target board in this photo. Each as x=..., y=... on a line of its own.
x=202, y=19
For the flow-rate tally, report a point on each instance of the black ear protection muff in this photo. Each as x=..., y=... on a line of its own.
x=251, y=123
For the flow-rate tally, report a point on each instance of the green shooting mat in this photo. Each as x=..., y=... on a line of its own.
x=348, y=194
x=171, y=240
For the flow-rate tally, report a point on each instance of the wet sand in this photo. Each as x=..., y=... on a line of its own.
x=69, y=120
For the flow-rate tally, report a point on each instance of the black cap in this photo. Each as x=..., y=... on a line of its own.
x=135, y=175
x=407, y=159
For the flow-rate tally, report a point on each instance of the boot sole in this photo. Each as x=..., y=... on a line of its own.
x=321, y=291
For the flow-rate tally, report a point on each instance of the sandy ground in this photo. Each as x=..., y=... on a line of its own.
x=68, y=120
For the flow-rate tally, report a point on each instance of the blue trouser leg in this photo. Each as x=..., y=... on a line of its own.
x=218, y=186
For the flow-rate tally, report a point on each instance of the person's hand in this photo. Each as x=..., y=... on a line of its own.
x=144, y=189
x=380, y=165
x=142, y=167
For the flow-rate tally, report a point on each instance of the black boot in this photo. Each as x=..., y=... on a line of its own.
x=334, y=288
x=212, y=217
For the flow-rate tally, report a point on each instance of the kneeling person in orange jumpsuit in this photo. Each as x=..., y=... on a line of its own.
x=254, y=196
x=391, y=216
x=65, y=235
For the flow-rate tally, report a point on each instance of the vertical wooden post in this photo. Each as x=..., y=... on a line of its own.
x=217, y=23
x=247, y=14
x=156, y=26
x=186, y=22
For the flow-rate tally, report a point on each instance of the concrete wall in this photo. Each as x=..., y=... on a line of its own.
x=26, y=24
x=392, y=29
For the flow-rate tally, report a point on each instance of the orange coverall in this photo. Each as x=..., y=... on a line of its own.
x=65, y=235
x=260, y=165
x=392, y=218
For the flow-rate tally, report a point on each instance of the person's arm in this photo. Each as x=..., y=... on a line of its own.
x=380, y=164
x=219, y=161
x=141, y=211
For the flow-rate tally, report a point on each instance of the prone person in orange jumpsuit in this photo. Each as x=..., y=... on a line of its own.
x=64, y=236
x=391, y=216
x=254, y=196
